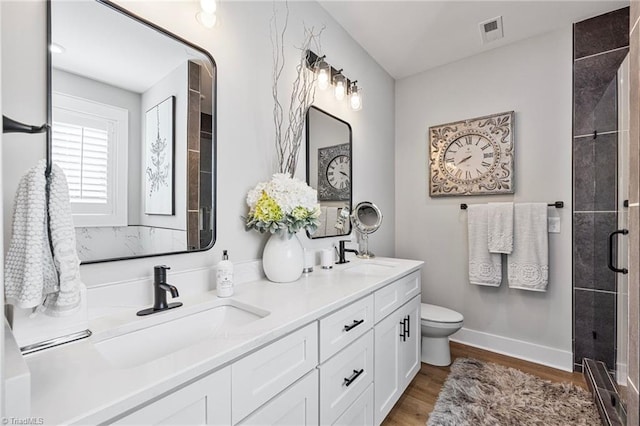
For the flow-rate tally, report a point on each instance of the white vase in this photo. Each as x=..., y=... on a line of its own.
x=283, y=258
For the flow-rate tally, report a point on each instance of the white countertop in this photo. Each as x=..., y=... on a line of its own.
x=73, y=383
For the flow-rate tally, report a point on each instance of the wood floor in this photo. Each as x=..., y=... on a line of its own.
x=418, y=401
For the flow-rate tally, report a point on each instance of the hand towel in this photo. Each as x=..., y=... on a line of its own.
x=528, y=263
x=332, y=217
x=321, y=231
x=63, y=236
x=484, y=268
x=34, y=276
x=500, y=223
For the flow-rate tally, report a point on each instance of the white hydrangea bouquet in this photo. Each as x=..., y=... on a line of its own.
x=283, y=204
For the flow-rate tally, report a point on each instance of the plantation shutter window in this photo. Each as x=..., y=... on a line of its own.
x=83, y=154
x=90, y=143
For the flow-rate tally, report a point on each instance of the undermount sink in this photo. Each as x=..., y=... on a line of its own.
x=147, y=344
x=371, y=268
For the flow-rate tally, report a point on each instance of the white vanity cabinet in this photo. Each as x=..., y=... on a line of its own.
x=343, y=366
x=397, y=341
x=205, y=402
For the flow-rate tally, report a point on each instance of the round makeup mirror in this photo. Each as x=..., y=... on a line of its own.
x=366, y=218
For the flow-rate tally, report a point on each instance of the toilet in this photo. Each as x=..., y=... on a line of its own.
x=437, y=324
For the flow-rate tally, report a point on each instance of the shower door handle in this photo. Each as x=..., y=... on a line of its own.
x=612, y=237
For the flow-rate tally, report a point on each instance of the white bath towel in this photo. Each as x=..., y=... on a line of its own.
x=500, y=223
x=35, y=277
x=528, y=264
x=484, y=268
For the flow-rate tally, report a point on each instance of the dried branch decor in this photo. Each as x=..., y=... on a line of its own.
x=288, y=136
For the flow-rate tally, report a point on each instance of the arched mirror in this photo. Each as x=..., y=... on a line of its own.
x=133, y=128
x=367, y=218
x=329, y=170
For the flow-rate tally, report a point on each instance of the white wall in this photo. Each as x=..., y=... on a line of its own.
x=173, y=84
x=83, y=87
x=242, y=50
x=533, y=78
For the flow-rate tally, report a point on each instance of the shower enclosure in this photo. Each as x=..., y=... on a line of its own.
x=600, y=194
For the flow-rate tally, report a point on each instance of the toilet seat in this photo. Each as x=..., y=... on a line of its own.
x=439, y=315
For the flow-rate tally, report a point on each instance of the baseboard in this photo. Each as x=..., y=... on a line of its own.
x=562, y=360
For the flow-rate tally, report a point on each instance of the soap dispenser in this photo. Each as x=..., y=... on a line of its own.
x=224, y=276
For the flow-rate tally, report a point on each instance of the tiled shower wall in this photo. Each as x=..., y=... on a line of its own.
x=633, y=382
x=600, y=45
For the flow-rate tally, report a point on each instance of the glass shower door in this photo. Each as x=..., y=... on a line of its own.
x=623, y=223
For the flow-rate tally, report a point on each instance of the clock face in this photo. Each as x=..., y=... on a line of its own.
x=472, y=157
x=469, y=158
x=338, y=172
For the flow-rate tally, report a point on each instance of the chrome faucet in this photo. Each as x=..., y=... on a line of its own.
x=342, y=251
x=160, y=289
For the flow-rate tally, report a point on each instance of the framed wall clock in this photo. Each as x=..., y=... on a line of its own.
x=472, y=157
x=334, y=173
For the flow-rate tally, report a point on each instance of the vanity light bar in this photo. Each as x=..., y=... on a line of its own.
x=313, y=60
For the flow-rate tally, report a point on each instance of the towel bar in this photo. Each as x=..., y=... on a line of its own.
x=557, y=205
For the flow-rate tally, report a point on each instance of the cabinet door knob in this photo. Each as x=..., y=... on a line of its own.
x=353, y=377
x=355, y=323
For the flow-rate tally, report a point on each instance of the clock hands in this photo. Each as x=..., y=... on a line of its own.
x=465, y=159
x=343, y=173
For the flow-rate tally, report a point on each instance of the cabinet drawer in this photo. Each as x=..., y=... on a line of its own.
x=296, y=406
x=204, y=402
x=265, y=373
x=391, y=297
x=345, y=326
x=344, y=377
x=360, y=413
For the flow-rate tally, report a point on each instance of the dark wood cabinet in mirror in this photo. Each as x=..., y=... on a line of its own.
x=329, y=158
x=133, y=127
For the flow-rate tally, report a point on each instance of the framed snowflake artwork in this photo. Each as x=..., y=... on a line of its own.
x=158, y=156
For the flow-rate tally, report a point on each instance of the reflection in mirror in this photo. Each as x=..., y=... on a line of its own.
x=367, y=218
x=133, y=130
x=329, y=170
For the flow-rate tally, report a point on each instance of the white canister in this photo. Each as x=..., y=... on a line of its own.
x=326, y=260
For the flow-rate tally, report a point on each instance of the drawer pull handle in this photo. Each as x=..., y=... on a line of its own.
x=352, y=326
x=408, y=325
x=354, y=376
x=403, y=324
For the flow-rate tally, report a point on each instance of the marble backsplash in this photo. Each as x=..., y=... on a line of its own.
x=122, y=241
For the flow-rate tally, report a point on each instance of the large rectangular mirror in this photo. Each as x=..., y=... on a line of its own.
x=329, y=170
x=133, y=128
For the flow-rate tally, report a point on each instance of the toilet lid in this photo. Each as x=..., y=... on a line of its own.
x=439, y=314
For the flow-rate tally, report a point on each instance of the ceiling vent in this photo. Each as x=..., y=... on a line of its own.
x=491, y=30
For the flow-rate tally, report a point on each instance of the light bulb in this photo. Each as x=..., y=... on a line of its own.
x=208, y=20
x=323, y=74
x=208, y=6
x=323, y=79
x=356, y=101
x=339, y=90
